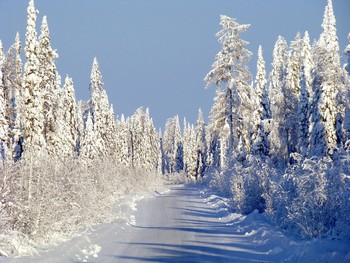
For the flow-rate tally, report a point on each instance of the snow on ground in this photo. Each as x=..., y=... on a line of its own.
x=188, y=224
x=258, y=230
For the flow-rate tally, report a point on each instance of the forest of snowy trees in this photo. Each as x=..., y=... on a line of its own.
x=278, y=143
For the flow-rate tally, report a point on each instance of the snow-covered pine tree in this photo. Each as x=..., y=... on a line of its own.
x=347, y=84
x=185, y=138
x=291, y=92
x=96, y=89
x=12, y=81
x=178, y=145
x=108, y=121
x=262, y=109
x=224, y=136
x=201, y=144
x=154, y=155
x=88, y=149
x=103, y=120
x=80, y=126
x=8, y=92
x=123, y=141
x=49, y=86
x=160, y=163
x=278, y=134
x=172, y=146
x=145, y=143
x=137, y=129
x=191, y=152
x=328, y=89
x=304, y=106
x=3, y=121
x=230, y=72
x=32, y=110
x=68, y=126
x=347, y=52
x=216, y=123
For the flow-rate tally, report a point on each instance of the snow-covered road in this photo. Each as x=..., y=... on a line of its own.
x=181, y=227
x=187, y=224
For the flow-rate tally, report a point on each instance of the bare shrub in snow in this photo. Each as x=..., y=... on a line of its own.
x=312, y=198
x=65, y=198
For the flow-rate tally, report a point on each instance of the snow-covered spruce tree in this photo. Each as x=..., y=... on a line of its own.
x=278, y=134
x=49, y=88
x=164, y=171
x=80, y=126
x=347, y=52
x=328, y=89
x=154, y=157
x=230, y=73
x=96, y=89
x=123, y=141
x=191, y=161
x=262, y=109
x=88, y=150
x=224, y=138
x=151, y=159
x=185, y=138
x=217, y=117
x=102, y=115
x=12, y=80
x=291, y=92
x=201, y=144
x=145, y=142
x=347, y=84
x=3, y=121
x=172, y=146
x=66, y=121
x=304, y=106
x=32, y=99
x=138, y=145
x=160, y=161
x=110, y=130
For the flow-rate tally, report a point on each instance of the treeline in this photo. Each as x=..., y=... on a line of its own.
x=63, y=164
x=276, y=143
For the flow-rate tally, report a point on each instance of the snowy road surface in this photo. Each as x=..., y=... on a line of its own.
x=187, y=225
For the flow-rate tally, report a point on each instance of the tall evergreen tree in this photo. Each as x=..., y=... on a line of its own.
x=123, y=142
x=217, y=117
x=102, y=116
x=3, y=122
x=201, y=144
x=172, y=146
x=327, y=88
x=262, y=108
x=145, y=141
x=32, y=111
x=292, y=92
x=304, y=106
x=67, y=119
x=278, y=134
x=191, y=161
x=88, y=147
x=230, y=72
x=347, y=52
x=16, y=133
x=80, y=127
x=186, y=138
x=49, y=84
x=12, y=79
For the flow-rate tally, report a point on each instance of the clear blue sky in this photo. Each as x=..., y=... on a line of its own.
x=155, y=53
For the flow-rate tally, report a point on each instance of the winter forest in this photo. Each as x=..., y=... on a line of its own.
x=277, y=142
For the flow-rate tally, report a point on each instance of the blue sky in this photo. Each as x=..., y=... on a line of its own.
x=156, y=53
